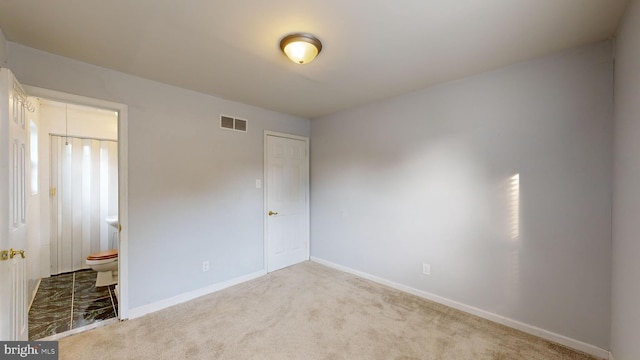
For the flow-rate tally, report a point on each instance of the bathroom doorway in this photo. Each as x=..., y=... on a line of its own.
x=82, y=184
x=79, y=165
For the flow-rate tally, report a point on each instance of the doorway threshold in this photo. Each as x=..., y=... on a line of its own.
x=79, y=330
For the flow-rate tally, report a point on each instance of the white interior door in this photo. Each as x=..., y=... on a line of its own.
x=13, y=209
x=287, y=200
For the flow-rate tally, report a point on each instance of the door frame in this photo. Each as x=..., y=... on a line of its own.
x=123, y=182
x=265, y=189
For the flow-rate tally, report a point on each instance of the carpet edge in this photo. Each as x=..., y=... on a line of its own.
x=178, y=299
x=529, y=329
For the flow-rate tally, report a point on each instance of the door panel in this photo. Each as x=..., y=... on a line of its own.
x=287, y=185
x=13, y=208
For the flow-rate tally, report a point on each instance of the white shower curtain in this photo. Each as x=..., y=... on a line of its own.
x=84, y=182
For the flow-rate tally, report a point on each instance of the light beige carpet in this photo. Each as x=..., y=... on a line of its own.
x=309, y=311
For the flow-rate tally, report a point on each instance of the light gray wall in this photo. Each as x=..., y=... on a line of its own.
x=625, y=299
x=192, y=194
x=423, y=178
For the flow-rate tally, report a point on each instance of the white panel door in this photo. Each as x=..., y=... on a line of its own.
x=13, y=209
x=287, y=208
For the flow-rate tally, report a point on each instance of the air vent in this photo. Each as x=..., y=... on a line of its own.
x=231, y=123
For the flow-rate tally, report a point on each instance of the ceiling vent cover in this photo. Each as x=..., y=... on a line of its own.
x=231, y=123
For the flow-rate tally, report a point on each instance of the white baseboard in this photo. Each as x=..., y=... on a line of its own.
x=163, y=304
x=530, y=329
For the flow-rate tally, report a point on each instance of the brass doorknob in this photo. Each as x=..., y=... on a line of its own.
x=272, y=213
x=13, y=253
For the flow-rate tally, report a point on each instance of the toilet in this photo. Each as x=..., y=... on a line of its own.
x=106, y=264
x=103, y=260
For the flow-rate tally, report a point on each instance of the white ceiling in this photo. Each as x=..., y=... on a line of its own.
x=372, y=49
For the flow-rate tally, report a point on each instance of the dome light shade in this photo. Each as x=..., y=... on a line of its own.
x=301, y=48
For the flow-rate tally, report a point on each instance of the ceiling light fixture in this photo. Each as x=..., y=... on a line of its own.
x=301, y=48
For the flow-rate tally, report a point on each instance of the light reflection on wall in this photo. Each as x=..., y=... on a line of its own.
x=514, y=206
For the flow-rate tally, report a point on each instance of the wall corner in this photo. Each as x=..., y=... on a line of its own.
x=3, y=49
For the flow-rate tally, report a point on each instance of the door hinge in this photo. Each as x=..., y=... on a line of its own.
x=52, y=191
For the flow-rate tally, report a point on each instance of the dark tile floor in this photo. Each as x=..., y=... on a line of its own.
x=68, y=301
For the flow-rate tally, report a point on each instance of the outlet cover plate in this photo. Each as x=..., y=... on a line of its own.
x=426, y=269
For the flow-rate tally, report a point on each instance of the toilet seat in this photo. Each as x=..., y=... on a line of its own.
x=105, y=263
x=104, y=255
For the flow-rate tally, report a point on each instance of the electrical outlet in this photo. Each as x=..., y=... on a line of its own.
x=205, y=266
x=426, y=269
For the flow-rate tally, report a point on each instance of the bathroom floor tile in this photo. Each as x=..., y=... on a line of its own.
x=51, y=311
x=53, y=315
x=53, y=283
x=89, y=316
x=39, y=330
x=90, y=292
x=51, y=295
x=89, y=311
x=93, y=304
x=64, y=280
x=55, y=288
x=85, y=275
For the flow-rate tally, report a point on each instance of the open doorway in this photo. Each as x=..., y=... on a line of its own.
x=76, y=196
x=78, y=160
